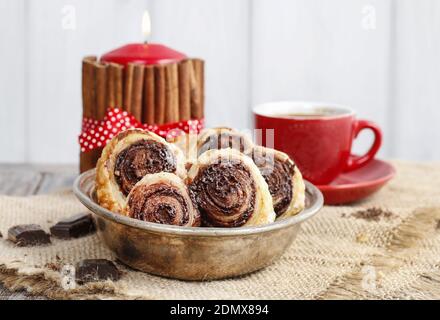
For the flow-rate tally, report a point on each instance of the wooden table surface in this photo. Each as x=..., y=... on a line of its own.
x=24, y=180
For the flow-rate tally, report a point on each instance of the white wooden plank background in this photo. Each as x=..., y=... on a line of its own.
x=218, y=31
x=13, y=83
x=55, y=66
x=256, y=51
x=319, y=51
x=417, y=80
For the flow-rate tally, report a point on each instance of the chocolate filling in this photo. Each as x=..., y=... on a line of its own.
x=278, y=175
x=160, y=203
x=141, y=158
x=224, y=140
x=224, y=193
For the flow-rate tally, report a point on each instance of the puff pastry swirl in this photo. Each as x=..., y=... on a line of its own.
x=162, y=198
x=193, y=145
x=229, y=190
x=283, y=178
x=221, y=138
x=127, y=158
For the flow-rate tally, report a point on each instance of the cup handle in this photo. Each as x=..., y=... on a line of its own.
x=354, y=161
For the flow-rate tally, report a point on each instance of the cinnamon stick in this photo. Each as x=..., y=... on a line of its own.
x=128, y=85
x=118, y=71
x=198, y=89
x=137, y=88
x=87, y=160
x=148, y=96
x=88, y=86
x=159, y=94
x=101, y=90
x=111, y=92
x=194, y=91
x=172, y=93
x=184, y=90
x=201, y=79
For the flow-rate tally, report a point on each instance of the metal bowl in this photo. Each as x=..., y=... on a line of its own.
x=191, y=253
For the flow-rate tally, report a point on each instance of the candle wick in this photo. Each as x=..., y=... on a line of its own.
x=146, y=42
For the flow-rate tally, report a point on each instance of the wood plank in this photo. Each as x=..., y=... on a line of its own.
x=417, y=77
x=25, y=179
x=21, y=182
x=55, y=66
x=41, y=167
x=52, y=182
x=217, y=31
x=320, y=51
x=13, y=80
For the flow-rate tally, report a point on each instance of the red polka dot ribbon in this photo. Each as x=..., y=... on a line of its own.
x=96, y=133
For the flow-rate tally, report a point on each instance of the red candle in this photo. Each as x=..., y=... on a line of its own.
x=143, y=53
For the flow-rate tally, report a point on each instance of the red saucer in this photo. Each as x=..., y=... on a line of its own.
x=358, y=184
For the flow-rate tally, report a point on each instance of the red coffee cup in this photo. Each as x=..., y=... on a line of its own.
x=317, y=136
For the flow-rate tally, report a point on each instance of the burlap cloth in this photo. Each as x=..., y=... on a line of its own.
x=395, y=254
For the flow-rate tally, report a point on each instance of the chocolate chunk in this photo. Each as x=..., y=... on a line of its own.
x=89, y=270
x=1, y=235
x=28, y=235
x=73, y=227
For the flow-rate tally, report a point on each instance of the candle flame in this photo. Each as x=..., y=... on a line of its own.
x=146, y=25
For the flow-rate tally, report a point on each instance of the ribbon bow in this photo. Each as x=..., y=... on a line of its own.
x=97, y=133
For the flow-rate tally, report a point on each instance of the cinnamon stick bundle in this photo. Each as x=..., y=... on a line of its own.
x=155, y=94
x=172, y=93
x=159, y=94
x=137, y=89
x=185, y=90
x=148, y=103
